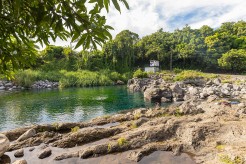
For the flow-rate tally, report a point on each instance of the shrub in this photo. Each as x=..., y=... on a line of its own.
x=140, y=74
x=234, y=60
x=25, y=78
x=75, y=129
x=191, y=74
x=122, y=141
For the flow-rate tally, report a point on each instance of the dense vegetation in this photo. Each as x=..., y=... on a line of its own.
x=23, y=23
x=206, y=49
x=187, y=48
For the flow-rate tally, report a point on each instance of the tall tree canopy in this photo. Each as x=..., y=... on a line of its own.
x=23, y=23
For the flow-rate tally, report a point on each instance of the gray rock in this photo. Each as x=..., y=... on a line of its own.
x=31, y=149
x=45, y=153
x=4, y=144
x=28, y=134
x=193, y=91
x=9, y=85
x=217, y=81
x=22, y=161
x=2, y=88
x=19, y=153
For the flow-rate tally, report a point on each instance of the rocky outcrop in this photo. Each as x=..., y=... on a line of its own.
x=26, y=135
x=9, y=86
x=161, y=91
x=45, y=84
x=4, y=144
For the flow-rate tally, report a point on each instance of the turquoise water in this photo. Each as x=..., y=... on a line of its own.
x=23, y=108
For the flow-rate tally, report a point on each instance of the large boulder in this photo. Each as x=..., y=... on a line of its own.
x=155, y=93
x=4, y=144
x=177, y=92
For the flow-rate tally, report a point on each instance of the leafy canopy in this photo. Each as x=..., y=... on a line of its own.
x=23, y=23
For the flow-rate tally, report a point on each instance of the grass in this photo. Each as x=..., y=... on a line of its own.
x=81, y=78
x=75, y=129
x=122, y=141
x=177, y=113
x=137, y=116
x=133, y=125
x=109, y=148
x=227, y=160
x=220, y=147
x=55, y=125
x=140, y=74
x=191, y=74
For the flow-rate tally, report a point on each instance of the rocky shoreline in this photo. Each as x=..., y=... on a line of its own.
x=208, y=122
x=9, y=85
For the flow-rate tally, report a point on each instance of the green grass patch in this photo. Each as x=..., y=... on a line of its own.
x=191, y=74
x=75, y=129
x=140, y=74
x=227, y=160
x=122, y=141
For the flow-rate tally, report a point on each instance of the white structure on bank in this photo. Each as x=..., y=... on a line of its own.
x=153, y=67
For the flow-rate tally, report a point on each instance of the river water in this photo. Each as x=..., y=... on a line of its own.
x=22, y=108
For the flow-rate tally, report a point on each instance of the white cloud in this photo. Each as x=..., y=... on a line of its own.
x=146, y=17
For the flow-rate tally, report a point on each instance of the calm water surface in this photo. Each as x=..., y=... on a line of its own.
x=23, y=108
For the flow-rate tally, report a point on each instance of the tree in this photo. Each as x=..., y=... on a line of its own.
x=234, y=60
x=23, y=23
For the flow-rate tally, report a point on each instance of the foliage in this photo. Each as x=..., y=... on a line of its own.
x=234, y=60
x=134, y=125
x=109, y=147
x=23, y=23
x=26, y=78
x=81, y=78
x=122, y=141
x=191, y=74
x=140, y=74
x=220, y=147
x=227, y=160
x=75, y=129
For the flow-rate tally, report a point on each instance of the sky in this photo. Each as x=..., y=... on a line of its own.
x=147, y=16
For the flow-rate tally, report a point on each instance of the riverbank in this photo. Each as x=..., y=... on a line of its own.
x=209, y=128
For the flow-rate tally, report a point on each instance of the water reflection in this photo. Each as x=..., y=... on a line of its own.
x=69, y=105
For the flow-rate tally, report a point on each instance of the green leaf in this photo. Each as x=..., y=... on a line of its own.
x=81, y=41
x=116, y=5
x=106, y=4
x=126, y=4
x=75, y=36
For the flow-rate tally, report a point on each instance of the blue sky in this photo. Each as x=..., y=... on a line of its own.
x=147, y=16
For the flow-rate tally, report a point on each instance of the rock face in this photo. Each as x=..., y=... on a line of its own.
x=158, y=90
x=4, y=144
x=45, y=84
x=27, y=134
x=45, y=153
x=8, y=85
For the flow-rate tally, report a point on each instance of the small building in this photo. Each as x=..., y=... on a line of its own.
x=153, y=67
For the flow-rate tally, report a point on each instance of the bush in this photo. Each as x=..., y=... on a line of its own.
x=140, y=74
x=25, y=78
x=83, y=79
x=234, y=60
x=191, y=74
